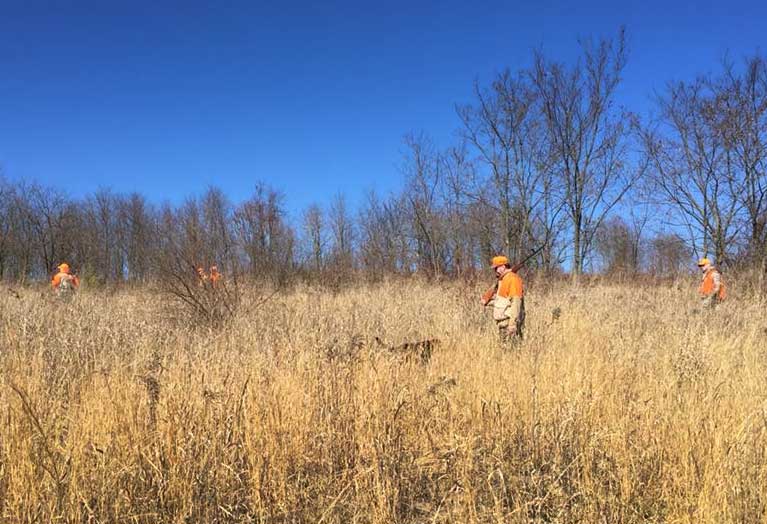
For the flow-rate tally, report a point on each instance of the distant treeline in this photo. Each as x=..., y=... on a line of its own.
x=544, y=157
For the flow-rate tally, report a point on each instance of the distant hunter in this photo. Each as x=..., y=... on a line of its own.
x=507, y=297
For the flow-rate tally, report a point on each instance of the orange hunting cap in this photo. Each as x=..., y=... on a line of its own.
x=500, y=260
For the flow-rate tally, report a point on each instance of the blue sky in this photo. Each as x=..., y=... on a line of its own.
x=312, y=98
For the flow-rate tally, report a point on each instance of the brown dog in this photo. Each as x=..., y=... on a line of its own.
x=420, y=350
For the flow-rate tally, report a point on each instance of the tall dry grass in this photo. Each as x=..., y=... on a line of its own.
x=629, y=408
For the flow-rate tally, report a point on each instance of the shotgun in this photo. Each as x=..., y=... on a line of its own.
x=519, y=265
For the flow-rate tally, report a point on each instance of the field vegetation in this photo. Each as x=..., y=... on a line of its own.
x=625, y=404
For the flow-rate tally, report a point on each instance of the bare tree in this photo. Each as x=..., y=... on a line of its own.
x=22, y=248
x=669, y=255
x=461, y=231
x=618, y=245
x=263, y=235
x=383, y=243
x=743, y=102
x=315, y=236
x=99, y=229
x=137, y=223
x=49, y=216
x=692, y=169
x=6, y=223
x=177, y=261
x=507, y=131
x=589, y=138
x=342, y=236
x=422, y=191
x=217, y=217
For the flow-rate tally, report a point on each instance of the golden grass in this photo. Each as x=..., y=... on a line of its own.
x=629, y=408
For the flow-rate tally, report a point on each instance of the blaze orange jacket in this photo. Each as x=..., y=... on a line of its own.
x=509, y=286
x=56, y=281
x=709, y=283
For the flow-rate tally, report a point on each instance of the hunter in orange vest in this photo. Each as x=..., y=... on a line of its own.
x=202, y=277
x=508, y=300
x=712, y=289
x=215, y=276
x=64, y=283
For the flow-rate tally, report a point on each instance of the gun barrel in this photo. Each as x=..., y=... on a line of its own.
x=519, y=265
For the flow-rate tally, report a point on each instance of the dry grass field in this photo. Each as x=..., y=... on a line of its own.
x=631, y=407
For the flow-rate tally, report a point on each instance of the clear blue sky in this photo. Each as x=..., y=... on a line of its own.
x=166, y=98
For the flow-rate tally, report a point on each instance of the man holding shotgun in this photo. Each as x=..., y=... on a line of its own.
x=507, y=297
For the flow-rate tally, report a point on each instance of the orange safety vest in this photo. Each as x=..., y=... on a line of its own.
x=511, y=286
x=61, y=276
x=510, y=289
x=707, y=285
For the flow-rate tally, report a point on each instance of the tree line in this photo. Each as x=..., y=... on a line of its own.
x=544, y=156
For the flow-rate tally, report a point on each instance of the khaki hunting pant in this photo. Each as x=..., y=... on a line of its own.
x=710, y=302
x=516, y=314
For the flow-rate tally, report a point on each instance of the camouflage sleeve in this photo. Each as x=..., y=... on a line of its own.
x=717, y=278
